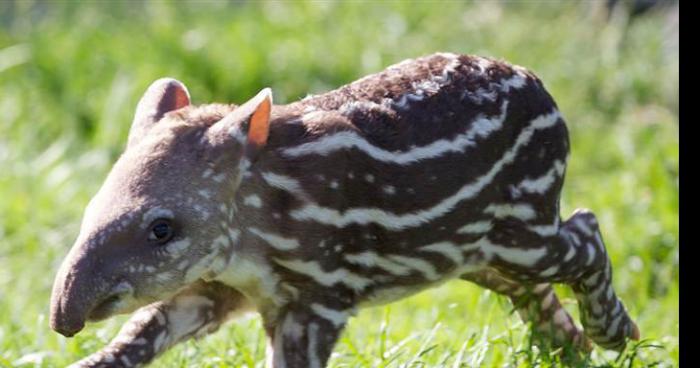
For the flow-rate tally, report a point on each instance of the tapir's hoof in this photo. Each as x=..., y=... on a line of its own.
x=635, y=335
x=585, y=344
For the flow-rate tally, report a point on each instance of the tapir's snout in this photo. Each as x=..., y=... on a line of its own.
x=65, y=323
x=68, y=312
x=78, y=292
x=70, y=301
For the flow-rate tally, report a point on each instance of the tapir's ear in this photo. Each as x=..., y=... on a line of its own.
x=248, y=124
x=163, y=95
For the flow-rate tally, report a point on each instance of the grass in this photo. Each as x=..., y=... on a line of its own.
x=71, y=74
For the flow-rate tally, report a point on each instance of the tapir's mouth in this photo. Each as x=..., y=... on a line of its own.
x=111, y=304
x=105, y=308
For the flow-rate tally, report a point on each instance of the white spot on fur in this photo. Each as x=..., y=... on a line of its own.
x=550, y=271
x=520, y=211
x=253, y=201
x=483, y=64
x=286, y=183
x=243, y=168
x=372, y=259
x=581, y=225
x=164, y=277
x=544, y=230
x=160, y=318
x=221, y=242
x=447, y=249
x=313, y=269
x=200, y=267
x=159, y=341
x=314, y=361
x=548, y=300
x=223, y=209
x=185, y=314
x=421, y=265
x=352, y=107
x=291, y=328
x=175, y=248
x=217, y=266
x=543, y=184
x=570, y=254
x=539, y=288
x=480, y=227
x=590, y=254
x=236, y=132
x=184, y=264
x=336, y=317
x=522, y=257
x=276, y=241
x=574, y=238
x=389, y=189
x=233, y=235
x=255, y=278
x=369, y=178
x=201, y=211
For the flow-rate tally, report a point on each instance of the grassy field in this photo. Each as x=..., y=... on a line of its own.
x=72, y=72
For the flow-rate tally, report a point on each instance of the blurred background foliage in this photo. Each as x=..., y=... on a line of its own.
x=71, y=73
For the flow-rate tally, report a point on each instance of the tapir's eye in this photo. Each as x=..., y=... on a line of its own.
x=161, y=231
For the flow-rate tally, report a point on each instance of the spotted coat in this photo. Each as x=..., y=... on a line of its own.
x=443, y=167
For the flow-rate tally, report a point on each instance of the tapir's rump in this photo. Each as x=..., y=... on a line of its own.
x=441, y=167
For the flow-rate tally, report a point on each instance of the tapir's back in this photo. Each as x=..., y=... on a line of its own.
x=419, y=101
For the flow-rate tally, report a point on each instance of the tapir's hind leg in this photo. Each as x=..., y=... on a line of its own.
x=536, y=304
x=574, y=255
x=197, y=310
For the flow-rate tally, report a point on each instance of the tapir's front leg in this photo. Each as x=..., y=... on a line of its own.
x=195, y=311
x=303, y=336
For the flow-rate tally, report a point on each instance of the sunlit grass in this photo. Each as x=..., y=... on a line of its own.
x=71, y=74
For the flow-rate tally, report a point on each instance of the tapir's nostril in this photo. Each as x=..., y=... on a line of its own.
x=66, y=326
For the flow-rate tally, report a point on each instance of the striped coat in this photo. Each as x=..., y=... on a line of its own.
x=443, y=167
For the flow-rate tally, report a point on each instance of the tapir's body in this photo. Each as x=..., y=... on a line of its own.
x=438, y=168
x=392, y=187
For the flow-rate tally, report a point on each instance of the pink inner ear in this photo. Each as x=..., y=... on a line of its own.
x=260, y=124
x=173, y=96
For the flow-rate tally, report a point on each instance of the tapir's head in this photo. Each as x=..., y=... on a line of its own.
x=164, y=217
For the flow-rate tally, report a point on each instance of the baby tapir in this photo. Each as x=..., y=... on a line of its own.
x=443, y=167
